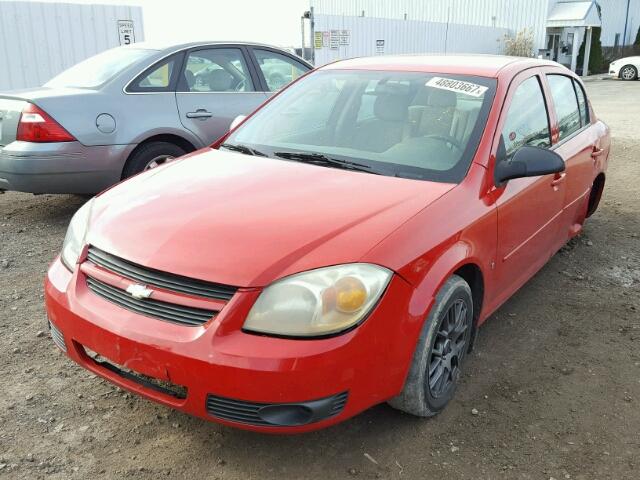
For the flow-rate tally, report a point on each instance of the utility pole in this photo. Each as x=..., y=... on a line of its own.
x=624, y=35
x=303, y=40
x=308, y=14
x=312, y=29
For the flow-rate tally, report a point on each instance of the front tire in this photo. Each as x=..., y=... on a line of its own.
x=628, y=72
x=150, y=156
x=440, y=352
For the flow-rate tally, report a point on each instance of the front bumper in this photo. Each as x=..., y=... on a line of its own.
x=218, y=364
x=65, y=167
x=614, y=71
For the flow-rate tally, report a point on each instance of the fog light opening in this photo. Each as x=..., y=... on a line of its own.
x=286, y=415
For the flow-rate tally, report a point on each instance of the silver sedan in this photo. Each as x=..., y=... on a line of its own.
x=132, y=108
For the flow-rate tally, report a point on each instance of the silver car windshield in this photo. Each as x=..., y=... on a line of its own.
x=405, y=124
x=99, y=69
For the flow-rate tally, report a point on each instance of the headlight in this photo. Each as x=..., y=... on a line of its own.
x=319, y=302
x=75, y=238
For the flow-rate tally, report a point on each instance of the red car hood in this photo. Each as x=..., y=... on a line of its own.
x=246, y=221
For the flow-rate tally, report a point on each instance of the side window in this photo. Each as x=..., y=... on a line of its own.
x=157, y=78
x=566, y=104
x=582, y=104
x=216, y=70
x=527, y=122
x=278, y=69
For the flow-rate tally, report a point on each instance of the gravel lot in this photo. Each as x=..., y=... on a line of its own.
x=552, y=389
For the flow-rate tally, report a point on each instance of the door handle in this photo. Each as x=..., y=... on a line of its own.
x=597, y=152
x=200, y=113
x=558, y=179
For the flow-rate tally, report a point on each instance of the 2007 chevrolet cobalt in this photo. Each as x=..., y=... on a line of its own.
x=337, y=249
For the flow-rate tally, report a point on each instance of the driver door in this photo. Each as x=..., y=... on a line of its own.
x=215, y=86
x=529, y=209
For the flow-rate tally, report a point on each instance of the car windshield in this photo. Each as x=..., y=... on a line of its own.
x=99, y=69
x=405, y=124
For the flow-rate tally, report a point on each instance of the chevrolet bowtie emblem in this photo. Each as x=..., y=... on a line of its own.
x=139, y=291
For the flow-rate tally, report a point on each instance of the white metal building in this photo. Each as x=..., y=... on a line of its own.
x=367, y=27
x=38, y=40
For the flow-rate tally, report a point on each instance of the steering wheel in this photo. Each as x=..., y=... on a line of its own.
x=446, y=139
x=240, y=85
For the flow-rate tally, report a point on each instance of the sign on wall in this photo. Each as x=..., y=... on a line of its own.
x=380, y=47
x=334, y=39
x=325, y=39
x=345, y=37
x=126, y=32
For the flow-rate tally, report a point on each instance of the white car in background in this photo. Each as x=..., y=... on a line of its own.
x=625, y=68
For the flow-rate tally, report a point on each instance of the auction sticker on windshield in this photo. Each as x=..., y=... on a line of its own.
x=452, y=85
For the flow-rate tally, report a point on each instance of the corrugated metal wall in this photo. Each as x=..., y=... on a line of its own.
x=514, y=15
x=613, y=17
x=404, y=36
x=39, y=40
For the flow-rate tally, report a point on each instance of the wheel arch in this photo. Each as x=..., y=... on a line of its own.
x=459, y=259
x=472, y=274
x=596, y=193
x=178, y=140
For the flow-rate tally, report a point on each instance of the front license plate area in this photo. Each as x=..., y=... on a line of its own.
x=158, y=385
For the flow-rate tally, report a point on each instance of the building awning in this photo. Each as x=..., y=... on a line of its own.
x=574, y=14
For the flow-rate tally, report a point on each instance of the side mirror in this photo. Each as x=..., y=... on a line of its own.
x=528, y=162
x=237, y=121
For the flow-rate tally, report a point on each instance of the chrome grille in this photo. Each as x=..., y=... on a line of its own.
x=152, y=308
x=57, y=336
x=157, y=278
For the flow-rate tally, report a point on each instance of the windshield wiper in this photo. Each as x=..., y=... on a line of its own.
x=236, y=147
x=321, y=159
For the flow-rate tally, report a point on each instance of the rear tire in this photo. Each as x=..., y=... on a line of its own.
x=445, y=335
x=628, y=72
x=149, y=156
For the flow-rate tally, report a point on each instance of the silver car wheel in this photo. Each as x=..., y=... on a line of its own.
x=157, y=161
x=628, y=73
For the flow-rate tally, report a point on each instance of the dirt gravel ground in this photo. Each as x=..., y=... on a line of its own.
x=552, y=389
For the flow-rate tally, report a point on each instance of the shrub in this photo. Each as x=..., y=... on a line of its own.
x=596, y=58
x=520, y=44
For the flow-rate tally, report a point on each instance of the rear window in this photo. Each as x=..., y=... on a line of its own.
x=158, y=77
x=582, y=104
x=99, y=69
x=566, y=104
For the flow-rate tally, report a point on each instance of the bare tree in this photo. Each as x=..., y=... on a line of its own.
x=520, y=44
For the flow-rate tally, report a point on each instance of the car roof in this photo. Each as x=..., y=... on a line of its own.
x=149, y=45
x=481, y=65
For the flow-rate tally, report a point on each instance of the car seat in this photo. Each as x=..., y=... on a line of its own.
x=389, y=124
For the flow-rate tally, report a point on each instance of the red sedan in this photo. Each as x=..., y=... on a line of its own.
x=336, y=250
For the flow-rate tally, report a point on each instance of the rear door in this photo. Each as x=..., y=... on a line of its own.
x=529, y=209
x=276, y=69
x=215, y=86
x=578, y=144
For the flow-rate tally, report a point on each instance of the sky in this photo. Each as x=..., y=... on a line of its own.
x=275, y=22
